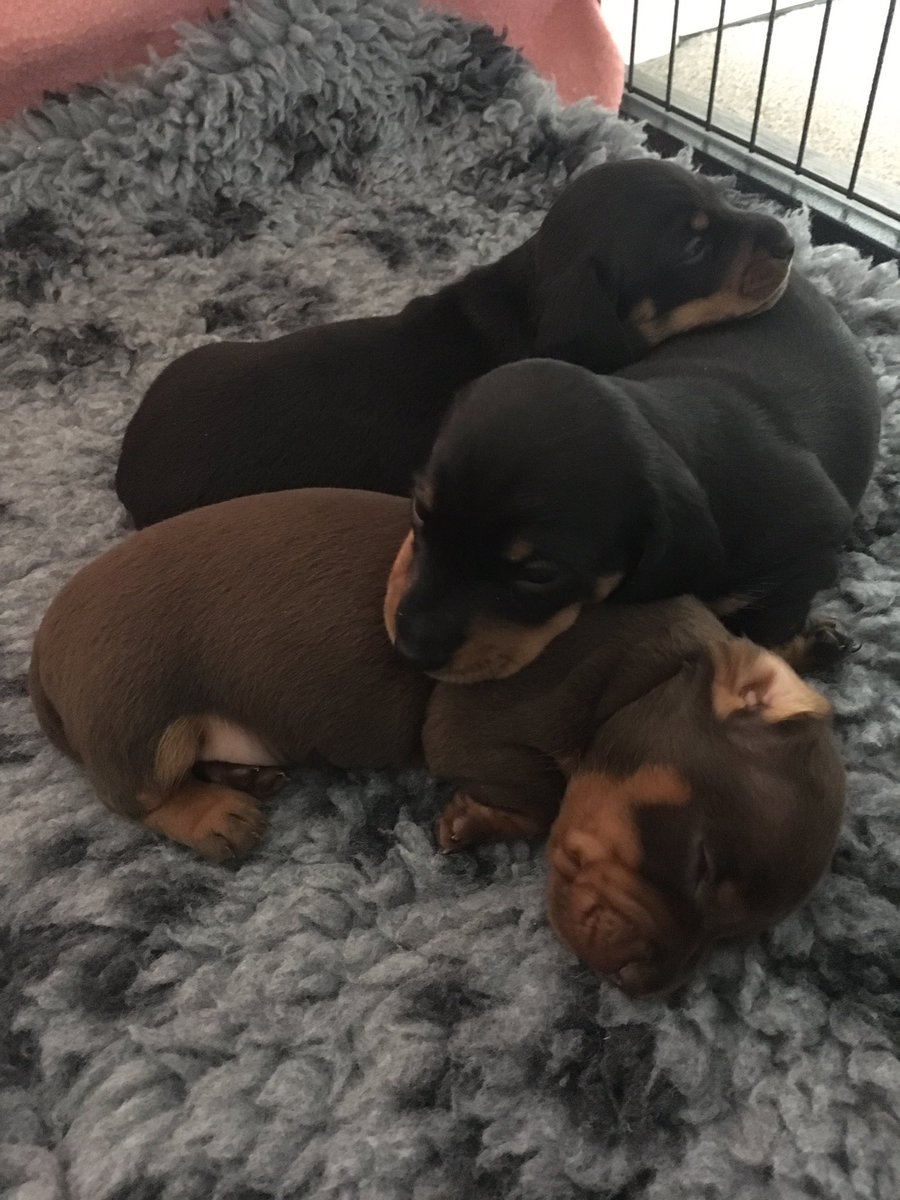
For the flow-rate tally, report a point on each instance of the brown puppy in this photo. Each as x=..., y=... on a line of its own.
x=700, y=787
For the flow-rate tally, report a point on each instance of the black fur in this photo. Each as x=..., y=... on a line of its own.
x=358, y=403
x=727, y=463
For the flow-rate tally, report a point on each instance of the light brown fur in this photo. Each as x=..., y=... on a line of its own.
x=253, y=629
x=753, y=284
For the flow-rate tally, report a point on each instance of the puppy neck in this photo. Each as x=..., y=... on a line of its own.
x=619, y=654
x=497, y=304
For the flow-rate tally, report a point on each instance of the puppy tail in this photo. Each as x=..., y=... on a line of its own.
x=162, y=771
x=176, y=752
x=48, y=718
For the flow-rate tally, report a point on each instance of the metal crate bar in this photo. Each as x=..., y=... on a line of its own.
x=872, y=220
x=876, y=79
x=814, y=83
x=761, y=87
x=840, y=191
x=634, y=32
x=720, y=30
x=672, y=48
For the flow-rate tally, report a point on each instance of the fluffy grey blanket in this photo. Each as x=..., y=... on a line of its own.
x=350, y=1016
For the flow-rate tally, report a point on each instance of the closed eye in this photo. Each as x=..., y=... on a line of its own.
x=536, y=574
x=695, y=250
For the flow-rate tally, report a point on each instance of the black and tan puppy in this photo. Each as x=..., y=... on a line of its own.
x=699, y=785
x=727, y=465
x=630, y=254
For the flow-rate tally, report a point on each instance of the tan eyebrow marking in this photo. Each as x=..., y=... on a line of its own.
x=699, y=222
x=518, y=550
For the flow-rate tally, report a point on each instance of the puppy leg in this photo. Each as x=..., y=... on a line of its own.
x=781, y=621
x=469, y=822
x=821, y=645
x=216, y=822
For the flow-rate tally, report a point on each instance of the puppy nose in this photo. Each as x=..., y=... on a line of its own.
x=427, y=658
x=424, y=640
x=774, y=239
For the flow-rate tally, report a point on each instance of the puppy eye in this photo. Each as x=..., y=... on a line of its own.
x=536, y=573
x=695, y=250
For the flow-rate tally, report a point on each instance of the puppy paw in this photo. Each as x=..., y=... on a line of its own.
x=230, y=830
x=460, y=824
x=827, y=644
x=217, y=823
x=822, y=645
x=466, y=822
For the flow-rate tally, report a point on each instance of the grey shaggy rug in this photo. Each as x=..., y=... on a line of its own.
x=350, y=1016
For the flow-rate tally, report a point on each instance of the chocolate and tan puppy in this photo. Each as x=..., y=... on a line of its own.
x=690, y=779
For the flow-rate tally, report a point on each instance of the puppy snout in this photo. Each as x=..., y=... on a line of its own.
x=425, y=640
x=773, y=239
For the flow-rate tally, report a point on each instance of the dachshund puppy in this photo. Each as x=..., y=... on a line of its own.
x=630, y=254
x=727, y=465
x=699, y=784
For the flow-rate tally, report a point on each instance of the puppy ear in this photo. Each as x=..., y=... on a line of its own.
x=749, y=679
x=578, y=321
x=681, y=540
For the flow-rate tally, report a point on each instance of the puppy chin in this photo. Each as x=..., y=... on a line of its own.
x=593, y=927
x=752, y=284
x=496, y=650
x=480, y=672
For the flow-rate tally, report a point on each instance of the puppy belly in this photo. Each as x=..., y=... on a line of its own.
x=225, y=742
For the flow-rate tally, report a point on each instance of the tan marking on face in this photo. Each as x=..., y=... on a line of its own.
x=747, y=678
x=598, y=902
x=728, y=605
x=398, y=584
x=496, y=649
x=754, y=282
x=699, y=222
x=518, y=550
x=642, y=314
x=606, y=584
x=597, y=811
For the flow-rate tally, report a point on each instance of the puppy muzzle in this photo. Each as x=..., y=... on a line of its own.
x=766, y=274
x=623, y=931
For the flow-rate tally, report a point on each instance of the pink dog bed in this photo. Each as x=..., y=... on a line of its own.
x=49, y=45
x=565, y=40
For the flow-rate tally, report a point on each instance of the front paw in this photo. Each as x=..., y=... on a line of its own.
x=461, y=824
x=827, y=644
x=467, y=822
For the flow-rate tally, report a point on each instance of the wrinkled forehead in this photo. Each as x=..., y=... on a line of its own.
x=626, y=813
